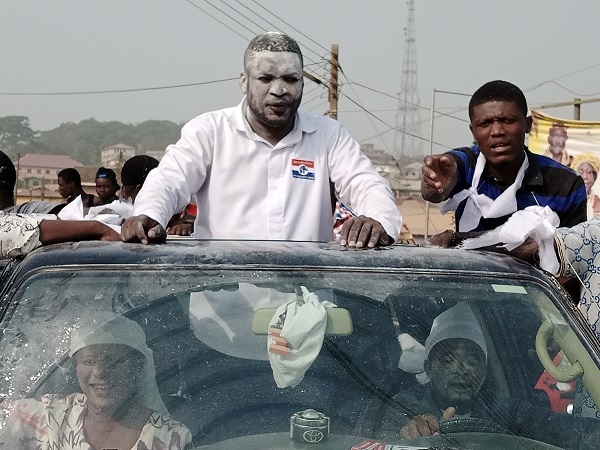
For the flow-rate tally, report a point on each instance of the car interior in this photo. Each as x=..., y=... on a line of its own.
x=220, y=395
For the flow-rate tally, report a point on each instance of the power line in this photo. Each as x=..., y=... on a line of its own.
x=315, y=87
x=274, y=25
x=118, y=91
x=369, y=113
x=218, y=20
x=227, y=15
x=572, y=92
x=388, y=125
x=292, y=27
x=316, y=97
x=412, y=104
x=244, y=16
x=236, y=21
x=575, y=72
x=323, y=104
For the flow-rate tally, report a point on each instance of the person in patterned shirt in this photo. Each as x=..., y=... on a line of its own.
x=119, y=405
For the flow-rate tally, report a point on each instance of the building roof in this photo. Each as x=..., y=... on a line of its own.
x=413, y=166
x=48, y=161
x=124, y=146
x=50, y=192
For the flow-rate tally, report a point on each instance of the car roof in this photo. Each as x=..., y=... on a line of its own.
x=272, y=254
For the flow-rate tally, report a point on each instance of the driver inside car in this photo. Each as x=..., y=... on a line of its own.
x=456, y=366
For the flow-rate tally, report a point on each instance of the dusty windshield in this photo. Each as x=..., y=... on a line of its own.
x=194, y=358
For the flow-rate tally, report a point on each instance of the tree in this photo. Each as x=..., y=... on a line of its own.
x=15, y=132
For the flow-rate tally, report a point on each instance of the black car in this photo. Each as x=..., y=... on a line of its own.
x=233, y=369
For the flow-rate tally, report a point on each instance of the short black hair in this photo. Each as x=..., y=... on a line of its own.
x=136, y=169
x=109, y=174
x=272, y=41
x=8, y=173
x=498, y=91
x=70, y=175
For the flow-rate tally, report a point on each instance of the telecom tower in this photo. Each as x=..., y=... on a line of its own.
x=408, y=143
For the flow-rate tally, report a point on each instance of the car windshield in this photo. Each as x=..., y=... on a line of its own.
x=390, y=341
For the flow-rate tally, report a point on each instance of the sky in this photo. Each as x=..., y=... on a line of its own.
x=70, y=56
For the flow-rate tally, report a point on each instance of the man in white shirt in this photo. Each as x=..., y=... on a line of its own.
x=262, y=170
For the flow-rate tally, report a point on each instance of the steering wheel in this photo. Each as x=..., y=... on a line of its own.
x=470, y=425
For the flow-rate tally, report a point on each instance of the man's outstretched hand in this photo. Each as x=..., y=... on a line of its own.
x=142, y=229
x=364, y=232
x=439, y=177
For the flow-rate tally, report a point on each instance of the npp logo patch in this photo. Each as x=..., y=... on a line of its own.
x=302, y=168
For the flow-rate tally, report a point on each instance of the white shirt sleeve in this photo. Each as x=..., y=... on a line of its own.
x=180, y=174
x=359, y=186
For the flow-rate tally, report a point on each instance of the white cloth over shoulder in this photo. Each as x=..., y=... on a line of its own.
x=413, y=354
x=20, y=233
x=480, y=205
x=536, y=222
x=295, y=338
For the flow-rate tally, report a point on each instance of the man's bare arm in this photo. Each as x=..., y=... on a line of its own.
x=528, y=251
x=55, y=231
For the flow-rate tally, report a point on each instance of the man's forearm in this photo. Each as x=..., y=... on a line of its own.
x=54, y=231
x=527, y=251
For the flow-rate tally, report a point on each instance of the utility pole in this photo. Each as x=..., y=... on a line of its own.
x=577, y=109
x=333, y=88
x=577, y=102
x=333, y=83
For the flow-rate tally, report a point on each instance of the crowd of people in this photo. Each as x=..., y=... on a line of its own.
x=280, y=173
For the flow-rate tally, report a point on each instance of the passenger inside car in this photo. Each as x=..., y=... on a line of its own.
x=456, y=365
x=119, y=405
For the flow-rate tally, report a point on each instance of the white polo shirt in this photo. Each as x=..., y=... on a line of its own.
x=246, y=188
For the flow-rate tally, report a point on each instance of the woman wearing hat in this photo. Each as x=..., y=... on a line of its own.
x=588, y=165
x=119, y=406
